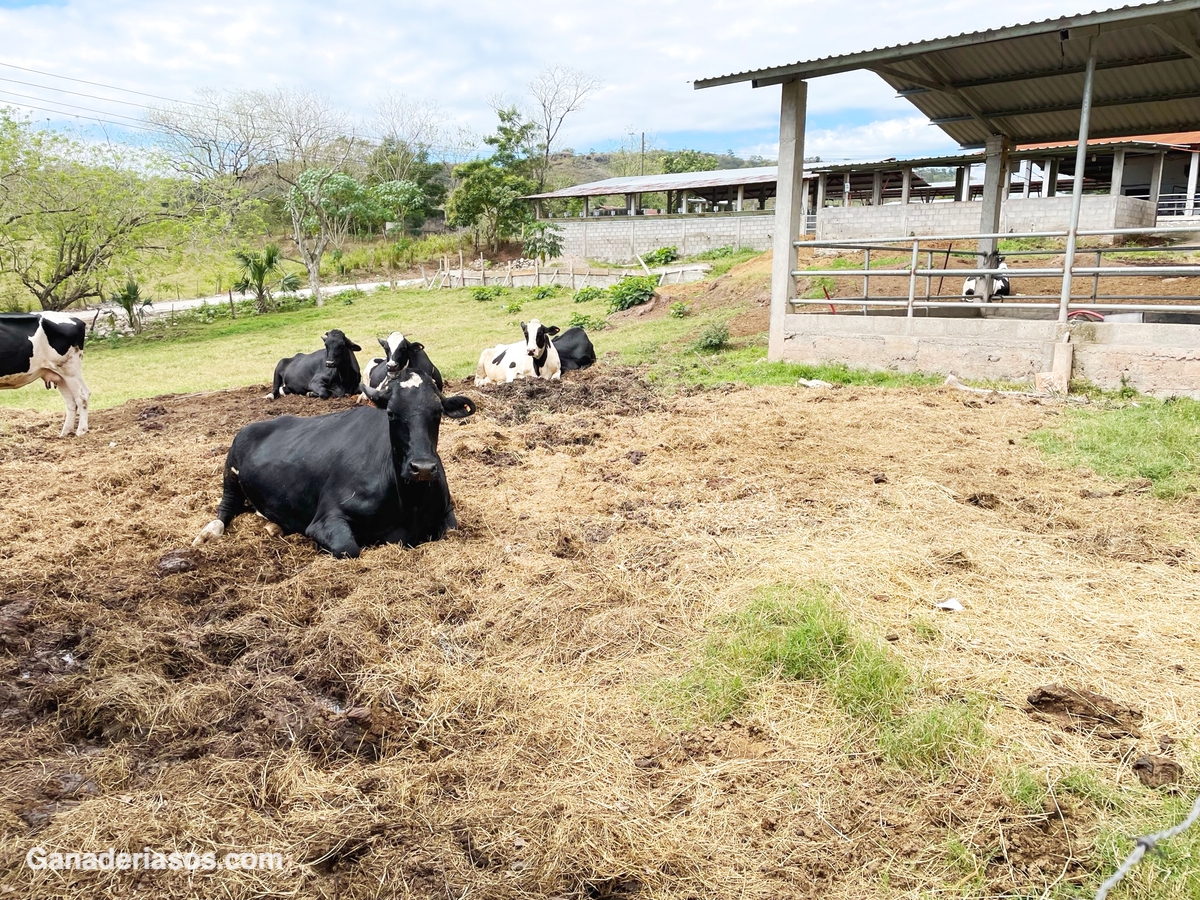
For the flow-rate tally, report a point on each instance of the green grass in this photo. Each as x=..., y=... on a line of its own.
x=1155, y=440
x=723, y=258
x=798, y=633
x=749, y=365
x=1172, y=871
x=194, y=356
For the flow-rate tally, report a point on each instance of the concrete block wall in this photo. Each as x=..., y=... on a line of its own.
x=1018, y=214
x=1157, y=359
x=619, y=238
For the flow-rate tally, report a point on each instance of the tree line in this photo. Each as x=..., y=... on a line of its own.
x=228, y=167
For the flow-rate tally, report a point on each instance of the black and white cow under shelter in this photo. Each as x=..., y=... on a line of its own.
x=332, y=372
x=347, y=480
x=47, y=346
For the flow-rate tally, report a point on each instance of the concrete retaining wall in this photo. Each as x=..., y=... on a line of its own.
x=1153, y=358
x=1018, y=214
x=619, y=238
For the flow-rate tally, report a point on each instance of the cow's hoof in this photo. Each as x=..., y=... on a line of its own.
x=213, y=529
x=274, y=530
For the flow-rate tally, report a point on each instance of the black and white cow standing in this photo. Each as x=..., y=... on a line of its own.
x=46, y=346
x=973, y=285
x=332, y=372
x=534, y=357
x=575, y=350
x=350, y=479
x=399, y=354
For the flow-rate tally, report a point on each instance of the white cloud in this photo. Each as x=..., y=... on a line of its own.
x=457, y=55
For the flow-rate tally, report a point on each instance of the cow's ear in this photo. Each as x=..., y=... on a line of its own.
x=384, y=345
x=553, y=329
x=355, y=348
x=416, y=346
x=458, y=406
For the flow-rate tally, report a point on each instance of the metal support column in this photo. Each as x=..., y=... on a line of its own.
x=741, y=197
x=877, y=189
x=906, y=185
x=1050, y=177
x=1085, y=120
x=788, y=204
x=1193, y=171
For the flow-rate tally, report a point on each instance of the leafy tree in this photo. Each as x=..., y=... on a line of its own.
x=71, y=212
x=488, y=198
x=688, y=161
x=513, y=142
x=257, y=273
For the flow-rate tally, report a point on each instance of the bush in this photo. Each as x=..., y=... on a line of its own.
x=490, y=292
x=680, y=309
x=661, y=256
x=631, y=291
x=586, y=322
x=513, y=306
x=591, y=292
x=714, y=337
x=348, y=297
x=545, y=292
x=716, y=253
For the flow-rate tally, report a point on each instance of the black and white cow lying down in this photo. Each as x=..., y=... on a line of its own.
x=534, y=357
x=973, y=285
x=46, y=346
x=349, y=479
x=332, y=372
x=575, y=350
x=399, y=354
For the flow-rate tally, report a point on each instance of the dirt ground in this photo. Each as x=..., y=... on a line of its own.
x=475, y=718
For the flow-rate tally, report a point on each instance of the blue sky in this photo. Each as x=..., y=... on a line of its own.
x=458, y=55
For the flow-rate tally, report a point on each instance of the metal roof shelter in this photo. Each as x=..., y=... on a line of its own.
x=682, y=181
x=1120, y=72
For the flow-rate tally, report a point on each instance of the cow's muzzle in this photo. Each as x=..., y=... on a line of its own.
x=329, y=364
x=422, y=470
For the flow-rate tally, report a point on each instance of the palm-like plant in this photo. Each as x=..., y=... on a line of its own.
x=130, y=299
x=256, y=274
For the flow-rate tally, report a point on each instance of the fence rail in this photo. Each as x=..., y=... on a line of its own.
x=985, y=275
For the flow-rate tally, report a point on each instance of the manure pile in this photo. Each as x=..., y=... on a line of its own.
x=482, y=716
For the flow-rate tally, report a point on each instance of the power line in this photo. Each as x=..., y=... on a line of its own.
x=46, y=87
x=111, y=87
x=71, y=105
x=102, y=121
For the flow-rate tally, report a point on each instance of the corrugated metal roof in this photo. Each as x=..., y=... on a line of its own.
x=1026, y=81
x=682, y=181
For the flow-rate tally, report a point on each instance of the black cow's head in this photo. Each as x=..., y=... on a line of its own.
x=537, y=337
x=338, y=348
x=415, y=409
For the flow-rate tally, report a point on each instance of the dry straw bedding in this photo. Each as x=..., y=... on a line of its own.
x=473, y=717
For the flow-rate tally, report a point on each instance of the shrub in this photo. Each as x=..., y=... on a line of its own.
x=591, y=292
x=716, y=253
x=661, y=256
x=680, y=309
x=513, y=306
x=348, y=297
x=631, y=291
x=545, y=292
x=714, y=337
x=490, y=292
x=586, y=322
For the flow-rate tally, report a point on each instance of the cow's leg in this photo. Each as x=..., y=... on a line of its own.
x=233, y=502
x=82, y=395
x=68, y=394
x=333, y=534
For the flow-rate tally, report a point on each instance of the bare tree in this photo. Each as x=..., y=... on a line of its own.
x=218, y=135
x=557, y=92
x=406, y=127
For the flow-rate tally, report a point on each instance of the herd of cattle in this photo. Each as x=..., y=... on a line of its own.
x=347, y=480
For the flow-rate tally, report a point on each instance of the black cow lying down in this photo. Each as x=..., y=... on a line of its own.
x=332, y=372
x=575, y=350
x=349, y=479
